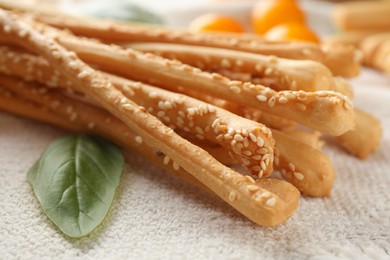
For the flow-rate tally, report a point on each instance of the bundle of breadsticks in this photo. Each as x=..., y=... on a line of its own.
x=365, y=24
x=192, y=103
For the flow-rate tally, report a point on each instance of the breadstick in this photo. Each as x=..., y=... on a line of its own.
x=133, y=32
x=366, y=137
x=232, y=187
x=376, y=49
x=100, y=122
x=306, y=167
x=328, y=112
x=363, y=15
x=299, y=161
x=311, y=138
x=269, y=120
x=176, y=111
x=303, y=75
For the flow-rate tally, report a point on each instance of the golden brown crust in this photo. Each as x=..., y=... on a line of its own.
x=287, y=74
x=202, y=120
x=366, y=137
x=363, y=15
x=132, y=32
x=222, y=180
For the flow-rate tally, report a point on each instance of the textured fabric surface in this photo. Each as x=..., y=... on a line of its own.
x=156, y=216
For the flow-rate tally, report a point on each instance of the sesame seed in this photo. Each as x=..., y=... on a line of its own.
x=301, y=106
x=268, y=71
x=150, y=109
x=238, y=138
x=265, y=194
x=260, y=174
x=239, y=63
x=283, y=172
x=245, y=132
x=153, y=94
x=167, y=119
x=306, y=52
x=216, y=123
x=262, y=151
x=299, y=176
x=186, y=129
x=232, y=196
x=246, y=142
x=271, y=102
x=261, y=98
x=228, y=137
x=240, y=146
x=245, y=161
x=258, y=67
x=176, y=167
x=235, y=89
x=91, y=125
x=225, y=63
x=127, y=107
x=211, y=108
x=7, y=28
x=347, y=105
x=199, y=130
x=180, y=120
x=253, y=188
x=219, y=137
x=83, y=74
x=249, y=178
x=253, y=137
x=263, y=166
x=256, y=157
x=138, y=139
x=181, y=114
x=271, y=202
x=199, y=136
x=166, y=160
x=283, y=100
x=160, y=113
x=291, y=166
x=260, y=142
x=289, y=95
x=247, y=152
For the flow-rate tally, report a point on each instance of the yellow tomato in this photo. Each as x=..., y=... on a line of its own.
x=215, y=22
x=292, y=31
x=266, y=14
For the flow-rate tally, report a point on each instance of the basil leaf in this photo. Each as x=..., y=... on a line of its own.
x=120, y=10
x=75, y=182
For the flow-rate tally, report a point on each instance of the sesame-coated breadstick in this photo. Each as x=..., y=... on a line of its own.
x=326, y=111
x=133, y=32
x=103, y=123
x=242, y=137
x=287, y=74
x=231, y=186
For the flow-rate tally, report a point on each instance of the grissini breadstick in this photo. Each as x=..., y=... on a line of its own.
x=303, y=75
x=306, y=167
x=204, y=121
x=376, y=49
x=101, y=122
x=363, y=15
x=232, y=187
x=33, y=68
x=366, y=137
x=312, y=138
x=95, y=120
x=299, y=162
x=326, y=111
x=132, y=32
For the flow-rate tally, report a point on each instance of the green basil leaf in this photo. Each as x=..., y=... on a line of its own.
x=75, y=181
x=121, y=11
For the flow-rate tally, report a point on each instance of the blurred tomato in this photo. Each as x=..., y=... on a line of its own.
x=292, y=31
x=266, y=14
x=215, y=22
